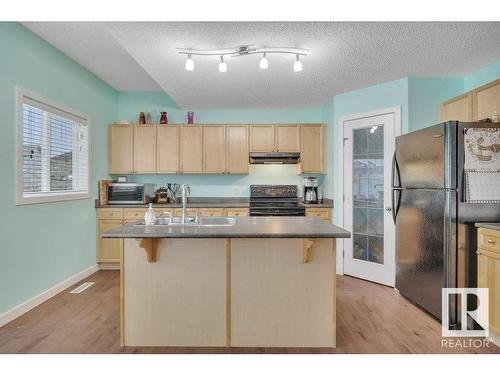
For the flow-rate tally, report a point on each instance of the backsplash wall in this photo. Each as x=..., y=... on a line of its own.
x=231, y=185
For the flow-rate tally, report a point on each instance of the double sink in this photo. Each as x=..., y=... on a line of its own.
x=208, y=221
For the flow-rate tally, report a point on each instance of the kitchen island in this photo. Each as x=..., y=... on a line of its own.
x=244, y=282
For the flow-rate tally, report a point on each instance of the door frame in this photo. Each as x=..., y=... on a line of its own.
x=340, y=171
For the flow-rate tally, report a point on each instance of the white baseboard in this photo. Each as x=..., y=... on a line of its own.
x=44, y=296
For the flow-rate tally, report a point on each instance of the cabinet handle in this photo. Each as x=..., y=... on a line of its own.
x=491, y=242
x=478, y=252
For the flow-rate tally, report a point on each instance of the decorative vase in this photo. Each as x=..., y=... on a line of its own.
x=142, y=118
x=148, y=118
x=190, y=117
x=163, y=118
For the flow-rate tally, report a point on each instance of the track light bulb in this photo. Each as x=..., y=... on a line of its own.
x=263, y=64
x=222, y=65
x=297, y=65
x=189, y=63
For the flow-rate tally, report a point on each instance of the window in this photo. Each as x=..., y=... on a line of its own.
x=52, y=151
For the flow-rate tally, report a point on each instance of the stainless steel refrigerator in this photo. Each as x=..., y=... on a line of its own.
x=435, y=233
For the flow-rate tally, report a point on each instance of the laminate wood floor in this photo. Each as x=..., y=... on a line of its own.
x=371, y=318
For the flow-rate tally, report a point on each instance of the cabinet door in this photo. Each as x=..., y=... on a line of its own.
x=487, y=100
x=312, y=150
x=144, y=149
x=109, y=249
x=214, y=148
x=191, y=212
x=262, y=138
x=457, y=109
x=489, y=277
x=191, y=145
x=287, y=138
x=120, y=149
x=211, y=211
x=236, y=212
x=237, y=149
x=167, y=149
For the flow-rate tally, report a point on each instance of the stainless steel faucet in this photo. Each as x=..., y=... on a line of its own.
x=185, y=191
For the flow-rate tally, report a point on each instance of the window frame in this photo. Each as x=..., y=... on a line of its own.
x=60, y=109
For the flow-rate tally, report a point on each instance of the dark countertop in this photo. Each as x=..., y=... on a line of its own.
x=207, y=202
x=245, y=227
x=494, y=226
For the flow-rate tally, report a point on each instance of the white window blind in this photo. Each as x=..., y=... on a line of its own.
x=54, y=152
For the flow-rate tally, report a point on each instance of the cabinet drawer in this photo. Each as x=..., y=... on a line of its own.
x=189, y=211
x=110, y=213
x=211, y=212
x=134, y=213
x=236, y=212
x=322, y=213
x=489, y=239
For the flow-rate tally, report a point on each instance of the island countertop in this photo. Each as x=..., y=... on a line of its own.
x=244, y=227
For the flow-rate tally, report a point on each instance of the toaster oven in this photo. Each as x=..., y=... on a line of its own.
x=130, y=193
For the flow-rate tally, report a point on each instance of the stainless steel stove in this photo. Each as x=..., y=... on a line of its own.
x=275, y=200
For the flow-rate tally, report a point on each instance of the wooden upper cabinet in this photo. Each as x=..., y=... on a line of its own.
x=312, y=150
x=287, y=138
x=487, y=100
x=167, y=149
x=144, y=149
x=237, y=149
x=191, y=148
x=457, y=109
x=120, y=149
x=214, y=148
x=262, y=138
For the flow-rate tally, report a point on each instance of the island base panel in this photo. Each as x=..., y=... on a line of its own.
x=179, y=300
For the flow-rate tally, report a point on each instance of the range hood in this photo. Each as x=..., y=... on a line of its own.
x=274, y=157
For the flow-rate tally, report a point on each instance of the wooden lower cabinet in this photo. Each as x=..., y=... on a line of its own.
x=190, y=211
x=322, y=213
x=211, y=211
x=109, y=249
x=236, y=212
x=488, y=273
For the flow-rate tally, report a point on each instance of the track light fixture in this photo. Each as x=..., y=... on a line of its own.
x=263, y=64
x=189, y=63
x=245, y=50
x=297, y=65
x=222, y=65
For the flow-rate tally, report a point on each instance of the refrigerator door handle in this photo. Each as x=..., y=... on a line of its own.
x=395, y=172
x=395, y=203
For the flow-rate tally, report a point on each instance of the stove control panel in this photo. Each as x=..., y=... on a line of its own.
x=273, y=191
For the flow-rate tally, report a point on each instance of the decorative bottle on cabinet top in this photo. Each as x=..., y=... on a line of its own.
x=163, y=118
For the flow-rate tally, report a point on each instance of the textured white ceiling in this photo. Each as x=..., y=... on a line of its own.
x=139, y=56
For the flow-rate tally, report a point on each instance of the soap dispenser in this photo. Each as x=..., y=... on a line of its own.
x=149, y=217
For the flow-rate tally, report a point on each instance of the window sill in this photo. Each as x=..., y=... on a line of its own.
x=51, y=198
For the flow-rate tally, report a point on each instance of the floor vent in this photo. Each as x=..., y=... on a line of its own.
x=82, y=287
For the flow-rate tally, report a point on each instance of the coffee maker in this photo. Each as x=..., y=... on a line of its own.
x=310, y=190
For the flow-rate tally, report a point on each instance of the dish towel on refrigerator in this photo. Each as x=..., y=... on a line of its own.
x=482, y=165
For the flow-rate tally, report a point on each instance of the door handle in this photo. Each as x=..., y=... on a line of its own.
x=389, y=209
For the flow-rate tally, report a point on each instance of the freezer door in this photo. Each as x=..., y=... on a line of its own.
x=427, y=158
x=425, y=246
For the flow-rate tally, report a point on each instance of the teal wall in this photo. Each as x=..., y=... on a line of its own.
x=425, y=96
x=480, y=77
x=130, y=104
x=44, y=244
